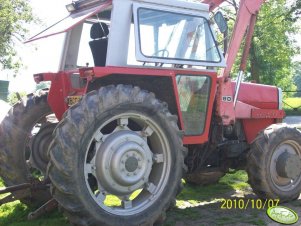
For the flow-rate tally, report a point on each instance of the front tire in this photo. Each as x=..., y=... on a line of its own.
x=274, y=165
x=116, y=158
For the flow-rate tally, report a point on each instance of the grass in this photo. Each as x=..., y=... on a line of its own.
x=292, y=106
x=195, y=205
x=15, y=214
x=202, y=205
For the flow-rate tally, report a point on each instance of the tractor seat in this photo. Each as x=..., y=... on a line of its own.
x=99, y=33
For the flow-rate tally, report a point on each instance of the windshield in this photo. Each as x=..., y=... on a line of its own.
x=176, y=36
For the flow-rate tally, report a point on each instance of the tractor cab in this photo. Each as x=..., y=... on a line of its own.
x=144, y=33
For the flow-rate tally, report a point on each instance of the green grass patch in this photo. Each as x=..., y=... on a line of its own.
x=196, y=205
x=292, y=106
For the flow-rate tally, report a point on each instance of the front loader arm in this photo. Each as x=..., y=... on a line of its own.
x=245, y=22
x=247, y=10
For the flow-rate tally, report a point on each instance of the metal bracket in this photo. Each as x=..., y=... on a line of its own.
x=46, y=208
x=22, y=190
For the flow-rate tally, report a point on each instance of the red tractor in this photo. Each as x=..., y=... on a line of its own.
x=150, y=108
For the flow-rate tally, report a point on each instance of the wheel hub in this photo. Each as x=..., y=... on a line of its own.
x=39, y=147
x=131, y=164
x=123, y=162
x=288, y=165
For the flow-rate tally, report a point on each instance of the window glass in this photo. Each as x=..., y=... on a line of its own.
x=176, y=36
x=194, y=95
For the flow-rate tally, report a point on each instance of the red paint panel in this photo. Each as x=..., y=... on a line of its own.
x=225, y=109
x=268, y=113
x=57, y=94
x=180, y=116
x=253, y=126
x=257, y=95
x=59, y=91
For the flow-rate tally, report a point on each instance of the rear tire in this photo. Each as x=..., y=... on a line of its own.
x=271, y=173
x=15, y=133
x=96, y=154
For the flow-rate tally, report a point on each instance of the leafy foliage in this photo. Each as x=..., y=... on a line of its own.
x=14, y=15
x=272, y=50
x=297, y=78
x=15, y=97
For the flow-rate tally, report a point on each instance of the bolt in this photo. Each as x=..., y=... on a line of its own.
x=135, y=173
x=128, y=174
x=122, y=162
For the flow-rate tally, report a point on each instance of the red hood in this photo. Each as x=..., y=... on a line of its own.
x=258, y=95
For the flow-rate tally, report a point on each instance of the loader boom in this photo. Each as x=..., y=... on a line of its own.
x=248, y=9
x=245, y=22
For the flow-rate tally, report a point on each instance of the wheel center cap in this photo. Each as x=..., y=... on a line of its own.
x=123, y=162
x=131, y=164
x=288, y=165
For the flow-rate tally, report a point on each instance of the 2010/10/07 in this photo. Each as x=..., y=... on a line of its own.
x=243, y=204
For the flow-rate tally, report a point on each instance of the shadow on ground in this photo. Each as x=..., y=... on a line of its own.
x=204, y=207
x=196, y=206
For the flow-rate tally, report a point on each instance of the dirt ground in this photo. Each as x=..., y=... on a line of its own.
x=211, y=213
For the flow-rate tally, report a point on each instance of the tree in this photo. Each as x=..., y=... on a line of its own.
x=14, y=15
x=272, y=49
x=14, y=97
x=297, y=78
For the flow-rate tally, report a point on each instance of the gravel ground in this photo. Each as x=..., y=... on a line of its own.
x=293, y=120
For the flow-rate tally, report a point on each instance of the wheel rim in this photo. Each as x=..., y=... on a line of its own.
x=30, y=148
x=127, y=164
x=39, y=144
x=284, y=183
